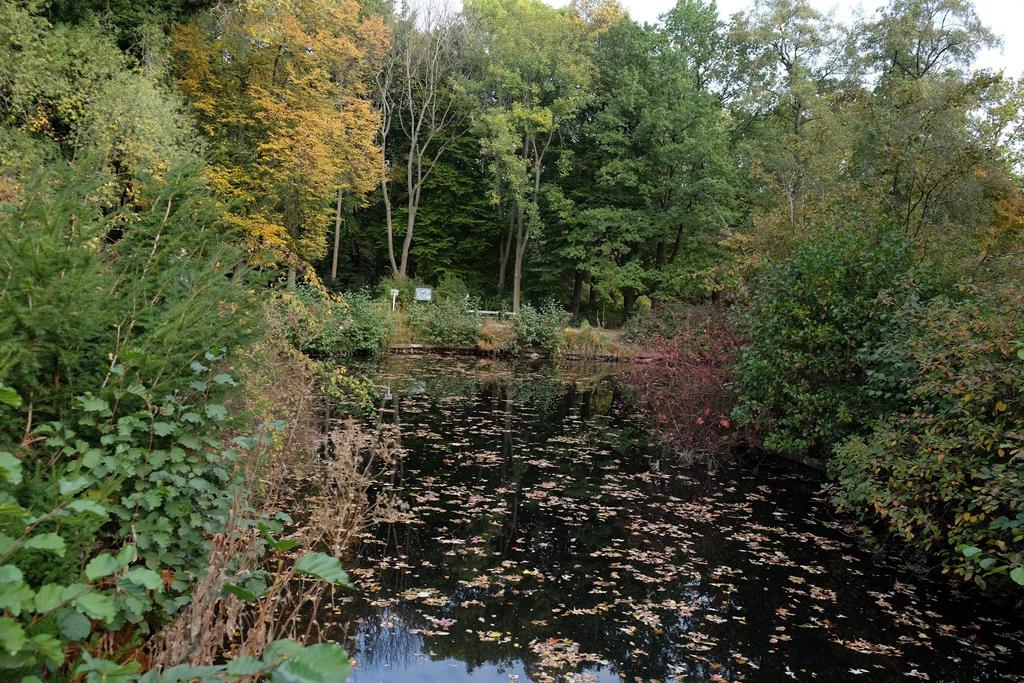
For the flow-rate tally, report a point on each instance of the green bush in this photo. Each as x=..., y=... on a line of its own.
x=328, y=325
x=543, y=327
x=804, y=380
x=945, y=472
x=151, y=287
x=444, y=322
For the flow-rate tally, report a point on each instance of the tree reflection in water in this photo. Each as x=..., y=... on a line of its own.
x=544, y=543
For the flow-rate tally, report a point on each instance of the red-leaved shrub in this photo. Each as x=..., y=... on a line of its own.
x=683, y=390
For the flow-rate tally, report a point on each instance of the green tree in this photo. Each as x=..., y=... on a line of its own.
x=535, y=82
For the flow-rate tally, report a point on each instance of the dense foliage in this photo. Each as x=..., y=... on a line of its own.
x=813, y=322
x=944, y=470
x=160, y=165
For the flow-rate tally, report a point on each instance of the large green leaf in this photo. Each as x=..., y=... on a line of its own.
x=73, y=625
x=145, y=577
x=100, y=566
x=10, y=468
x=1017, y=575
x=12, y=635
x=97, y=606
x=325, y=567
x=244, y=665
x=321, y=663
x=48, y=597
x=49, y=648
x=8, y=396
x=48, y=541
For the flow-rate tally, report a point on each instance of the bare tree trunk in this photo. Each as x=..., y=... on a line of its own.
x=517, y=267
x=291, y=278
x=504, y=251
x=337, y=237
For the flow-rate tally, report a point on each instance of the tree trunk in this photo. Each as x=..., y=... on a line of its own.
x=504, y=250
x=577, y=292
x=337, y=237
x=628, y=301
x=592, y=302
x=517, y=268
x=291, y=278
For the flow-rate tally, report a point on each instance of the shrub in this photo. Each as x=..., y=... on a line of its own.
x=802, y=380
x=152, y=286
x=541, y=327
x=323, y=324
x=684, y=391
x=444, y=322
x=946, y=471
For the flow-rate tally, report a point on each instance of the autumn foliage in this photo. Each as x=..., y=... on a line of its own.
x=279, y=90
x=684, y=391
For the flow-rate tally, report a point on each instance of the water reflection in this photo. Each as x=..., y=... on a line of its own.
x=547, y=541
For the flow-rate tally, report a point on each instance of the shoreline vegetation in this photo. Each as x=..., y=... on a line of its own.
x=811, y=232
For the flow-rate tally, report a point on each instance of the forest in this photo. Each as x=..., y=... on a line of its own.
x=801, y=239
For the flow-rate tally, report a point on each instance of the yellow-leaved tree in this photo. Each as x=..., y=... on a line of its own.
x=279, y=89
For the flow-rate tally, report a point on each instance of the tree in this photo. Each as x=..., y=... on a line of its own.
x=653, y=176
x=535, y=82
x=280, y=91
x=420, y=93
x=791, y=58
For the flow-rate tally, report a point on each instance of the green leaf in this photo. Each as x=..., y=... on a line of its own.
x=970, y=551
x=286, y=544
x=126, y=555
x=49, y=648
x=162, y=428
x=244, y=665
x=69, y=487
x=48, y=541
x=92, y=506
x=10, y=573
x=145, y=577
x=1020, y=353
x=100, y=566
x=97, y=606
x=215, y=411
x=93, y=404
x=1017, y=574
x=15, y=596
x=73, y=625
x=320, y=663
x=10, y=468
x=224, y=378
x=240, y=593
x=324, y=567
x=12, y=635
x=48, y=597
x=9, y=396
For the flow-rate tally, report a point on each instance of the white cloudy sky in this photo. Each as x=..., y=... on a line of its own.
x=1006, y=17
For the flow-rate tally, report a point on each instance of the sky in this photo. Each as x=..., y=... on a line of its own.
x=1005, y=17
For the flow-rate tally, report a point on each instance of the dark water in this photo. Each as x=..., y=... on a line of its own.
x=546, y=540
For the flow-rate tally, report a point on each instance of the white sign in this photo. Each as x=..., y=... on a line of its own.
x=424, y=294
x=394, y=298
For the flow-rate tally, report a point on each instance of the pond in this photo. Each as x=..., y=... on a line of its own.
x=546, y=539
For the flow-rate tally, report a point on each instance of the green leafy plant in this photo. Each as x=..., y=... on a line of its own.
x=444, y=322
x=802, y=381
x=945, y=471
x=542, y=328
